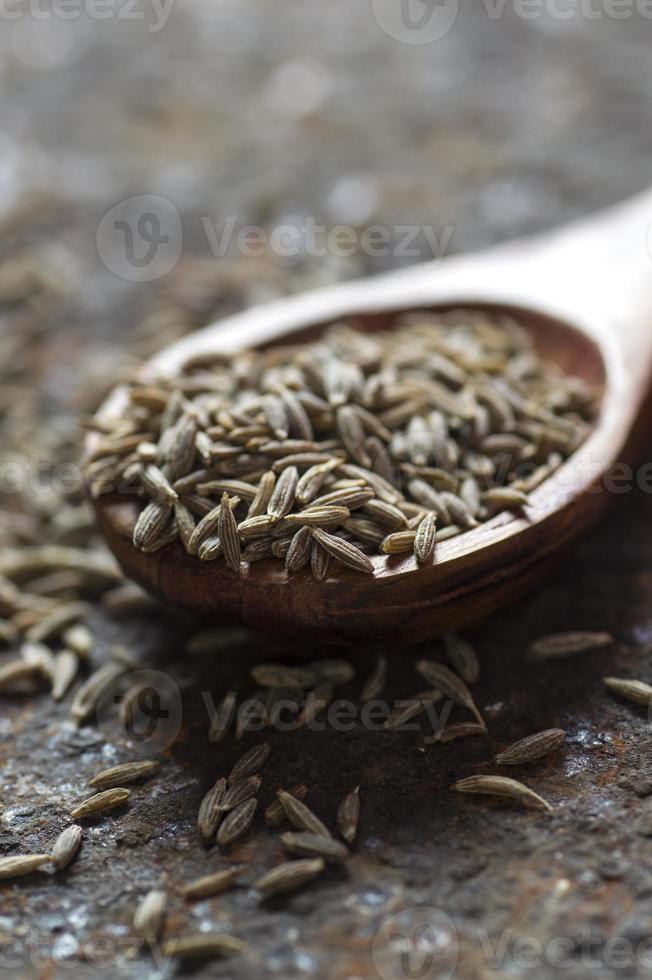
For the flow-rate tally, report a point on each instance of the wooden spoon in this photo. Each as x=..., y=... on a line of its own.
x=585, y=295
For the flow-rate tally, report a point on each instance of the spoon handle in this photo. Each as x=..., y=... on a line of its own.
x=605, y=262
x=596, y=272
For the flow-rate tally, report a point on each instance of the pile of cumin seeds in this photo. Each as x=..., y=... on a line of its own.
x=352, y=445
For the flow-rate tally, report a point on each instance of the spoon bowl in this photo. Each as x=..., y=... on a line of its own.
x=585, y=296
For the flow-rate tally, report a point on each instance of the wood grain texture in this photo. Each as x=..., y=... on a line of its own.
x=585, y=296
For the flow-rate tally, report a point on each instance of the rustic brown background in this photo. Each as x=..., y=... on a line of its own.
x=270, y=113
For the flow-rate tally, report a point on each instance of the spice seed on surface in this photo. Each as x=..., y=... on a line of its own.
x=289, y=876
x=275, y=812
x=203, y=945
x=66, y=846
x=250, y=763
x=236, y=823
x=21, y=864
x=224, y=717
x=240, y=792
x=126, y=772
x=348, y=815
x=210, y=814
x=532, y=747
x=449, y=684
x=500, y=786
x=300, y=816
x=212, y=884
x=150, y=915
x=314, y=845
x=460, y=730
x=632, y=690
x=101, y=803
x=569, y=644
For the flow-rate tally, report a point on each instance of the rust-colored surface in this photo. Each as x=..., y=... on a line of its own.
x=207, y=113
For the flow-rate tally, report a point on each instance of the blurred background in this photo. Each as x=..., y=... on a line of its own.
x=519, y=116
x=139, y=142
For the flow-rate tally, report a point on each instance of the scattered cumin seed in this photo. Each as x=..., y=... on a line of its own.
x=150, y=915
x=289, y=876
x=66, y=665
x=209, y=815
x=449, y=684
x=348, y=815
x=314, y=845
x=101, y=803
x=409, y=708
x=275, y=812
x=21, y=864
x=569, y=644
x=224, y=716
x=203, y=945
x=94, y=687
x=66, y=846
x=301, y=816
x=632, y=690
x=38, y=655
x=250, y=763
x=240, y=792
x=236, y=823
x=121, y=775
x=16, y=671
x=452, y=732
x=500, y=786
x=57, y=621
x=212, y=884
x=532, y=747
x=126, y=599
